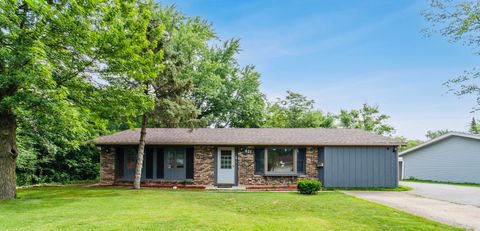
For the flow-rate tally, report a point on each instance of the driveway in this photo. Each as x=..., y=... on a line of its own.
x=448, y=204
x=465, y=195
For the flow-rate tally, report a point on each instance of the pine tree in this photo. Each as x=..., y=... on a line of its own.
x=474, y=127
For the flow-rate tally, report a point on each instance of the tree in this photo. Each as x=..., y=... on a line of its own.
x=211, y=88
x=434, y=134
x=409, y=143
x=227, y=94
x=459, y=22
x=474, y=127
x=136, y=64
x=296, y=111
x=47, y=50
x=367, y=118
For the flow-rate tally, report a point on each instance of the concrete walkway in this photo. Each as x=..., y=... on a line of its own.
x=441, y=210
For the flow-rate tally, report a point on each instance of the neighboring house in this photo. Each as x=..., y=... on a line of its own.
x=453, y=157
x=252, y=157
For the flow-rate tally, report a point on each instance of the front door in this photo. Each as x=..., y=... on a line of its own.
x=226, y=166
x=175, y=164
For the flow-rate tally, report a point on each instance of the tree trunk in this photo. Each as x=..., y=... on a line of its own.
x=141, y=149
x=8, y=155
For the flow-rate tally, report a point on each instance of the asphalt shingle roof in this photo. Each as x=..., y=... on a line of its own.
x=249, y=136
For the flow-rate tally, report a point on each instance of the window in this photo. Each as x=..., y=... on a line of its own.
x=301, y=161
x=180, y=160
x=226, y=159
x=259, y=161
x=280, y=160
x=131, y=158
x=175, y=159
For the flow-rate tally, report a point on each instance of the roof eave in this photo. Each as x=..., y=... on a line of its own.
x=251, y=144
x=440, y=138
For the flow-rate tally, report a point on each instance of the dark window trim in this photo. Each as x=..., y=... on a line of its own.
x=265, y=162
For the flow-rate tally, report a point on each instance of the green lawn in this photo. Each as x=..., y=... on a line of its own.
x=67, y=208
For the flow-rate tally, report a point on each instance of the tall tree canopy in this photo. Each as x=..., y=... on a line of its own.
x=47, y=50
x=185, y=81
x=367, y=118
x=459, y=22
x=70, y=71
x=296, y=111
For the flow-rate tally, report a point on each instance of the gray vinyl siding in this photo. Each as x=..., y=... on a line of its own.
x=360, y=167
x=454, y=159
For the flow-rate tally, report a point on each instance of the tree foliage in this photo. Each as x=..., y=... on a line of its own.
x=202, y=83
x=474, y=127
x=409, y=143
x=367, y=118
x=434, y=134
x=296, y=111
x=227, y=94
x=459, y=22
x=48, y=52
x=71, y=71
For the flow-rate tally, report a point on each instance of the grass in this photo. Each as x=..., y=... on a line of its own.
x=107, y=208
x=442, y=182
x=400, y=188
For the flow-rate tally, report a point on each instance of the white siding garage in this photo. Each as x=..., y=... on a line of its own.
x=453, y=157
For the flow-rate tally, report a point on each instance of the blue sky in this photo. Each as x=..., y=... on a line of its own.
x=345, y=53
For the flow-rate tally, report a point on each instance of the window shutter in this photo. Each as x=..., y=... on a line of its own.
x=119, y=162
x=189, y=163
x=301, y=160
x=160, y=157
x=149, y=163
x=259, y=161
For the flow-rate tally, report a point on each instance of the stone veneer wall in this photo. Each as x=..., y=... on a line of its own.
x=246, y=170
x=107, y=165
x=312, y=162
x=203, y=165
x=204, y=168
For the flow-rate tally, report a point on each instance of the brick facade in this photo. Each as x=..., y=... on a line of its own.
x=203, y=165
x=246, y=170
x=107, y=165
x=312, y=162
x=204, y=169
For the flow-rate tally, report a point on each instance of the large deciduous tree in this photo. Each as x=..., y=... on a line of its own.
x=201, y=83
x=38, y=43
x=296, y=111
x=367, y=118
x=226, y=93
x=48, y=51
x=459, y=21
x=136, y=64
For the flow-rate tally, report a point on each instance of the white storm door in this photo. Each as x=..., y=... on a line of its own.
x=226, y=166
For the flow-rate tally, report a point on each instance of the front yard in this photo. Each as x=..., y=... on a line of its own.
x=66, y=208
